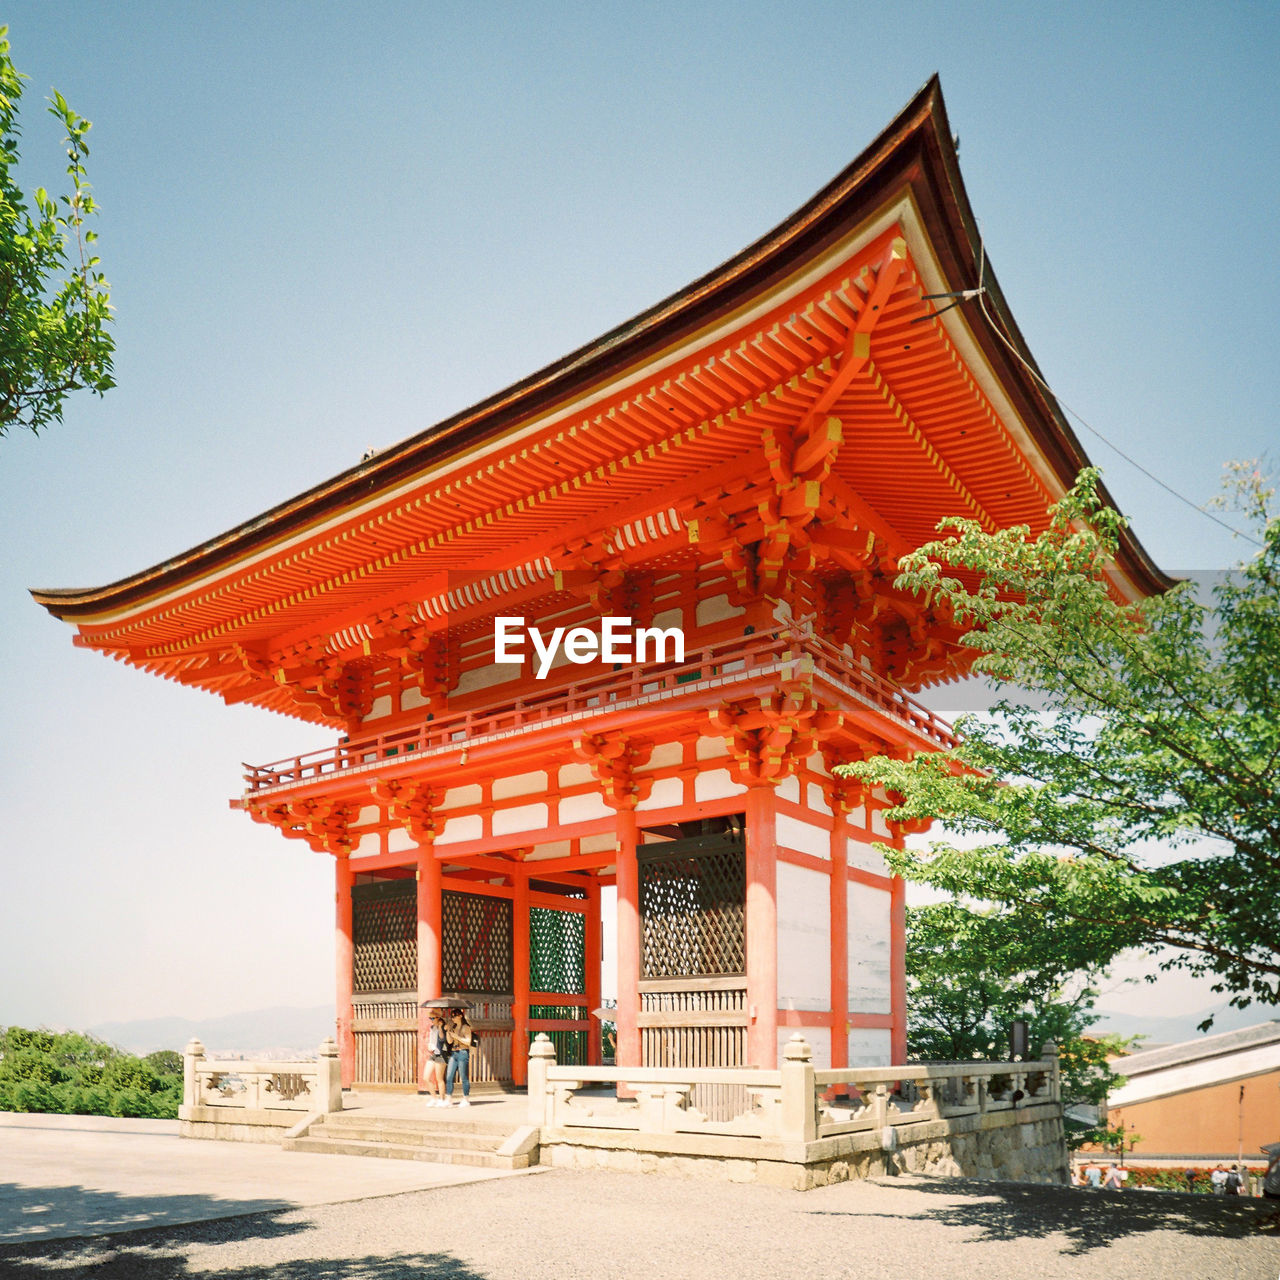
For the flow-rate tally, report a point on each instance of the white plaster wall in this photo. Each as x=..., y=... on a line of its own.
x=522, y=817
x=866, y=858
x=711, y=749
x=603, y=842
x=870, y=1047
x=666, y=793
x=519, y=784
x=412, y=697
x=666, y=755
x=789, y=788
x=819, y=1039
x=669, y=618
x=399, y=840
x=803, y=837
x=574, y=775
x=804, y=938
x=717, y=784
x=554, y=849
x=584, y=808
x=817, y=797
x=381, y=707
x=487, y=677
x=466, y=826
x=717, y=609
x=869, y=919
x=370, y=813
x=467, y=797
x=368, y=844
x=878, y=824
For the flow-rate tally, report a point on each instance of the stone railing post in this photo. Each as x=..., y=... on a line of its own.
x=799, y=1092
x=542, y=1054
x=192, y=1056
x=1049, y=1054
x=329, y=1077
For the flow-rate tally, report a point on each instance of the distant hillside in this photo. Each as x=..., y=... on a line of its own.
x=256, y=1032
x=1185, y=1026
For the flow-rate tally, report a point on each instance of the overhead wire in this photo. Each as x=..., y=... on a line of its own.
x=981, y=294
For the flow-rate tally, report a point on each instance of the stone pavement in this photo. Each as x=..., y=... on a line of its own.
x=571, y=1225
x=81, y=1175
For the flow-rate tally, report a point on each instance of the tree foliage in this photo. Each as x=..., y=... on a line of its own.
x=1137, y=804
x=78, y=1074
x=54, y=300
x=972, y=972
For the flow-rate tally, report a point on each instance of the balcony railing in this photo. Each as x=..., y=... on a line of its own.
x=785, y=651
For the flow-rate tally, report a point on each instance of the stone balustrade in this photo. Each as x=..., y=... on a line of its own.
x=253, y=1100
x=794, y=1104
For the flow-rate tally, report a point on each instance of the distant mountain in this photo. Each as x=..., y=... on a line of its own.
x=282, y=1032
x=1184, y=1026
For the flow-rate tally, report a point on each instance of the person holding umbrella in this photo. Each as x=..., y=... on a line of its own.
x=461, y=1036
x=438, y=1051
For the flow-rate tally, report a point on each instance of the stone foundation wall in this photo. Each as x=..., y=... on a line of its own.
x=236, y=1124
x=1024, y=1145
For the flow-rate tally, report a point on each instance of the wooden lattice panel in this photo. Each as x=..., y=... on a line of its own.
x=476, y=947
x=384, y=926
x=693, y=910
x=557, y=952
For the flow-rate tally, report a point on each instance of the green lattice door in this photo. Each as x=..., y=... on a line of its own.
x=557, y=965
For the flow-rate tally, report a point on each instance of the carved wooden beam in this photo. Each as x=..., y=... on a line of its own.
x=323, y=824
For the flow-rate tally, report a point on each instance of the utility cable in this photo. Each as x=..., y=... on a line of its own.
x=981, y=294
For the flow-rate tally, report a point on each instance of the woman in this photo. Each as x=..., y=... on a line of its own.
x=437, y=1056
x=461, y=1037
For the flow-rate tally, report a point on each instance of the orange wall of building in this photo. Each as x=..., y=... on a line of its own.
x=1206, y=1122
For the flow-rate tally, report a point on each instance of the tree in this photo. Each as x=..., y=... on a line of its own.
x=970, y=973
x=54, y=301
x=1138, y=805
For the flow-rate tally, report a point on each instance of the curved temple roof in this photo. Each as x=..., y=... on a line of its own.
x=943, y=420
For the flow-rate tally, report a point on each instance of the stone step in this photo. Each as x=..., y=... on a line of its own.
x=407, y=1151
x=444, y=1124
x=441, y=1137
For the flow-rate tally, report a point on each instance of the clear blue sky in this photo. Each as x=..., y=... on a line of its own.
x=328, y=226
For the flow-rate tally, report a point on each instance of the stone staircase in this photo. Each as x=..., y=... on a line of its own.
x=450, y=1139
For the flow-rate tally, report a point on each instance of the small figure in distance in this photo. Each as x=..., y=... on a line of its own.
x=1218, y=1178
x=1190, y=1176
x=1115, y=1181
x=1093, y=1175
x=1235, y=1183
x=1081, y=1179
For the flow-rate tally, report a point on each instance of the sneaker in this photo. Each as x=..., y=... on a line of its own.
x=466, y=1102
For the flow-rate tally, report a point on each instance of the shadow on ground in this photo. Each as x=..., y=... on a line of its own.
x=163, y=1253
x=1086, y=1219
x=35, y=1213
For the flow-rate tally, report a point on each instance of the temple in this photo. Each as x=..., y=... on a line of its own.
x=699, y=515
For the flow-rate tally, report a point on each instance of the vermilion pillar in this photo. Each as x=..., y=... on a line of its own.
x=345, y=959
x=762, y=928
x=839, y=937
x=520, y=978
x=898, y=967
x=593, y=950
x=429, y=929
x=628, y=884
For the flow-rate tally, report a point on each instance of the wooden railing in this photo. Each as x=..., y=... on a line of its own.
x=794, y=1104
x=305, y=1085
x=786, y=650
